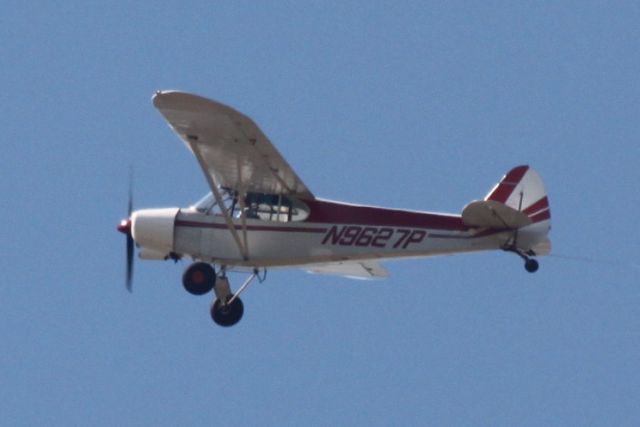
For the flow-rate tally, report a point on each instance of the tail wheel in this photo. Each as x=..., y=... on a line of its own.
x=531, y=265
x=199, y=278
x=225, y=314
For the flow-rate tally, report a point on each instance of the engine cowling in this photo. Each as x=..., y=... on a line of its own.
x=153, y=231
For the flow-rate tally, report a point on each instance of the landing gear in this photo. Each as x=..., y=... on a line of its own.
x=228, y=313
x=530, y=264
x=199, y=278
x=227, y=309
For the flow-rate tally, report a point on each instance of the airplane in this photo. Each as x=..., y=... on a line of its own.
x=260, y=215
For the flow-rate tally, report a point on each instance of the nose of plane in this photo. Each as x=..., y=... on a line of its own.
x=125, y=226
x=153, y=229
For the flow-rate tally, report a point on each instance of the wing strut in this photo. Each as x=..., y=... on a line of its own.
x=216, y=193
x=243, y=220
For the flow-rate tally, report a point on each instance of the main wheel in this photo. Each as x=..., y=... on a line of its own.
x=531, y=265
x=199, y=278
x=227, y=314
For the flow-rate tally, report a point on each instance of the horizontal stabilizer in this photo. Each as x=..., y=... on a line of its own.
x=518, y=200
x=492, y=214
x=351, y=269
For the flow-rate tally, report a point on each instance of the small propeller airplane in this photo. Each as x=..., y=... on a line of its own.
x=260, y=215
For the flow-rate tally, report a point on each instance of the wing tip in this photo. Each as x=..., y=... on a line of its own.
x=161, y=98
x=185, y=101
x=160, y=95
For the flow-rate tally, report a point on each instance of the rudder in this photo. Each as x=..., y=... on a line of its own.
x=522, y=189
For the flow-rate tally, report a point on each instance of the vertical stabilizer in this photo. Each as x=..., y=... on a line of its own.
x=522, y=189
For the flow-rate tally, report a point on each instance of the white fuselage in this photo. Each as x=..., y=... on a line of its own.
x=333, y=232
x=269, y=244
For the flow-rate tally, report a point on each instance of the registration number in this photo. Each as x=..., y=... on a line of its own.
x=378, y=237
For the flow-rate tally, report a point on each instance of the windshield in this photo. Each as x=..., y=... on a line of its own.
x=205, y=204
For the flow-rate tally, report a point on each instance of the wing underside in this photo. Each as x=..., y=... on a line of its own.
x=231, y=149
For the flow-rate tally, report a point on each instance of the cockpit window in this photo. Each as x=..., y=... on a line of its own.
x=271, y=207
x=266, y=207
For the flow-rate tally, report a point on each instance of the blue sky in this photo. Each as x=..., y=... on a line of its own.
x=410, y=104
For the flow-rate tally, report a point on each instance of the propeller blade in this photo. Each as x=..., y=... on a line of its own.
x=130, y=205
x=126, y=229
x=129, y=262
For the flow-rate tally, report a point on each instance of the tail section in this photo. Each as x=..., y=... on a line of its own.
x=522, y=189
x=519, y=204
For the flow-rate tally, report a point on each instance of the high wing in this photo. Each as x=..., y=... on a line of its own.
x=231, y=149
x=352, y=269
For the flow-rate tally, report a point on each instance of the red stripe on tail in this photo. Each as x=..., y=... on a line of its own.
x=542, y=216
x=504, y=189
x=537, y=206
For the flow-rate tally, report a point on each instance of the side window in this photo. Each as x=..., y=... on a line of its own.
x=299, y=211
x=270, y=207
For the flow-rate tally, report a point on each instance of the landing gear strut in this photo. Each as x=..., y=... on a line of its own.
x=227, y=309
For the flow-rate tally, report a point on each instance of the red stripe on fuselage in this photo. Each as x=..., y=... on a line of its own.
x=326, y=212
x=335, y=213
x=197, y=224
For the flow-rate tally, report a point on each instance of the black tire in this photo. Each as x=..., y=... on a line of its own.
x=227, y=314
x=199, y=278
x=531, y=265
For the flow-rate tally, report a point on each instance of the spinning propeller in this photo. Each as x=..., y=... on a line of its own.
x=125, y=228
